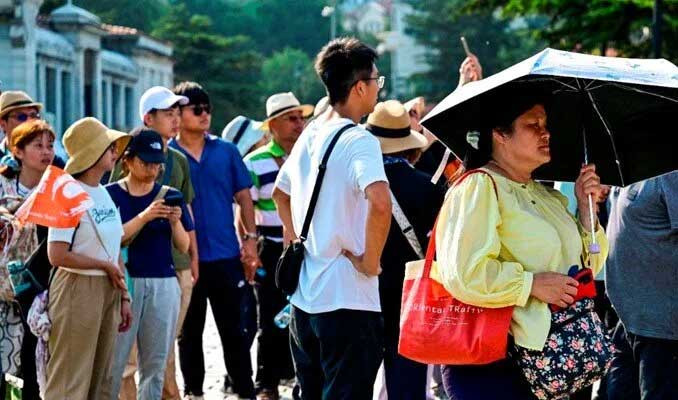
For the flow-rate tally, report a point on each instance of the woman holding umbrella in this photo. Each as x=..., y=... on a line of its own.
x=506, y=240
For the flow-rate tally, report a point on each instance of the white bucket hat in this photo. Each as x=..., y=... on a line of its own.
x=243, y=132
x=282, y=103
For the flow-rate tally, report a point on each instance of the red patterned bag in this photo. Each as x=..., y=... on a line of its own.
x=436, y=328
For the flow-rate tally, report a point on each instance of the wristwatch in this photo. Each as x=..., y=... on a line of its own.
x=248, y=236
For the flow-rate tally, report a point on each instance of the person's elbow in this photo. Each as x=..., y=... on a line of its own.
x=279, y=197
x=379, y=199
x=56, y=253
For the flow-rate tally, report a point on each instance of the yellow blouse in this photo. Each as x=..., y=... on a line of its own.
x=489, y=246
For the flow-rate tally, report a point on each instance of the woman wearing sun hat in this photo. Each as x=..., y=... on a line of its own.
x=88, y=300
x=418, y=200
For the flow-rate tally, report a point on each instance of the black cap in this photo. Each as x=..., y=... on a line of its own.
x=147, y=145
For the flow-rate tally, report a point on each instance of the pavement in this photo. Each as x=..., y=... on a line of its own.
x=215, y=370
x=214, y=364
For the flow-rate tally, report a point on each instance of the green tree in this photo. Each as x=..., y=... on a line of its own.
x=593, y=25
x=438, y=26
x=226, y=67
x=291, y=70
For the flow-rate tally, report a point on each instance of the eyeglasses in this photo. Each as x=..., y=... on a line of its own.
x=23, y=117
x=199, y=108
x=380, y=80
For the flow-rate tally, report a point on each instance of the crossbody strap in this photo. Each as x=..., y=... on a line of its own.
x=406, y=227
x=319, y=182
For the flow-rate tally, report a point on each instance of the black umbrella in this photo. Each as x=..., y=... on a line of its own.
x=617, y=113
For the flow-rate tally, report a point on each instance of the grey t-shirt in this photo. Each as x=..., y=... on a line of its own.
x=642, y=267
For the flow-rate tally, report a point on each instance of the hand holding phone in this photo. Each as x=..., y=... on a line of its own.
x=174, y=199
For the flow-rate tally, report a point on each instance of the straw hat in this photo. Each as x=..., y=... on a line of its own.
x=13, y=99
x=87, y=140
x=282, y=103
x=390, y=123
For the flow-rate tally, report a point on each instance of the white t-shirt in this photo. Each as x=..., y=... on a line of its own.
x=108, y=224
x=328, y=280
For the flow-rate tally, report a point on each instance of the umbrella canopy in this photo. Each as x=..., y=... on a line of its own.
x=620, y=112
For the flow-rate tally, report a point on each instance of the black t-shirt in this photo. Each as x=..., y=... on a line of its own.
x=420, y=201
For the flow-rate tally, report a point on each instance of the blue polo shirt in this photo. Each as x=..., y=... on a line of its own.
x=217, y=177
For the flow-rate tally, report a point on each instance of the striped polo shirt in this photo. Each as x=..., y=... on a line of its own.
x=263, y=169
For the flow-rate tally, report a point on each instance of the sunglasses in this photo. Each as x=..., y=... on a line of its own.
x=199, y=108
x=23, y=117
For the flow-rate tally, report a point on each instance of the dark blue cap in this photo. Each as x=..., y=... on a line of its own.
x=147, y=145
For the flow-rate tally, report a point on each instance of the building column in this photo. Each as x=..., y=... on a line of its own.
x=58, y=88
x=97, y=96
x=78, y=80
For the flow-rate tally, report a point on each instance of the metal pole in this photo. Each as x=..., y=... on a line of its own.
x=657, y=28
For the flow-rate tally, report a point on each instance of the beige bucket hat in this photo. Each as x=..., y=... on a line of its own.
x=390, y=123
x=14, y=99
x=282, y=103
x=86, y=141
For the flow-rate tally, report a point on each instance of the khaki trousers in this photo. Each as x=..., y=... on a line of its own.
x=85, y=314
x=170, y=391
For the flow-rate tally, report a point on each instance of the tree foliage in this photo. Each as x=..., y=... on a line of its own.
x=593, y=25
x=227, y=67
x=439, y=24
x=291, y=70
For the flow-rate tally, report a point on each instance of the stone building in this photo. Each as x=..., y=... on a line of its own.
x=77, y=66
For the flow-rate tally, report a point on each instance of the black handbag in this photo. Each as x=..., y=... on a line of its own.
x=288, y=268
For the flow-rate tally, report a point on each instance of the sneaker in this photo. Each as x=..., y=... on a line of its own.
x=193, y=397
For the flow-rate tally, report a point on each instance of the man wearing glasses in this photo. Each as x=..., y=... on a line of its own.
x=286, y=119
x=219, y=177
x=336, y=334
x=17, y=107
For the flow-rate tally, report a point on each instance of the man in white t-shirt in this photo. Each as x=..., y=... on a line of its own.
x=336, y=328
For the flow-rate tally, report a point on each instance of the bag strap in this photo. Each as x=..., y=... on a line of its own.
x=169, y=164
x=406, y=227
x=319, y=182
x=431, y=250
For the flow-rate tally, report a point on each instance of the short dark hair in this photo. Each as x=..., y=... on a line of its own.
x=341, y=63
x=195, y=93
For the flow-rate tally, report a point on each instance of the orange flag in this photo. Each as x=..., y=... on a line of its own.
x=58, y=202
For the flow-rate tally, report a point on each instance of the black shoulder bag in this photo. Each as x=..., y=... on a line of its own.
x=288, y=268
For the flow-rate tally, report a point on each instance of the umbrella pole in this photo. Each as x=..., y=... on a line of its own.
x=594, y=247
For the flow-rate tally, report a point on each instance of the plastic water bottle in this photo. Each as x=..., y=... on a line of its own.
x=283, y=318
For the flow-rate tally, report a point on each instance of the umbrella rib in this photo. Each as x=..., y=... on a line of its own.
x=551, y=79
x=609, y=133
x=631, y=88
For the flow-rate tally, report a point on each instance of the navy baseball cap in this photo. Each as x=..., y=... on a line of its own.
x=147, y=145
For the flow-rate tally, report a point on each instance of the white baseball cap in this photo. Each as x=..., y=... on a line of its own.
x=159, y=98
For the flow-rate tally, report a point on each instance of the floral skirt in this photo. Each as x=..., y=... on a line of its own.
x=11, y=338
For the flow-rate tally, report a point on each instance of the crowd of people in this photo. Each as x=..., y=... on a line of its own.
x=182, y=217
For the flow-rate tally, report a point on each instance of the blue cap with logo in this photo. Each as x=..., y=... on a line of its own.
x=147, y=145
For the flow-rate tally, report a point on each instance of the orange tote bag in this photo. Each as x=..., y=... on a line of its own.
x=436, y=328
